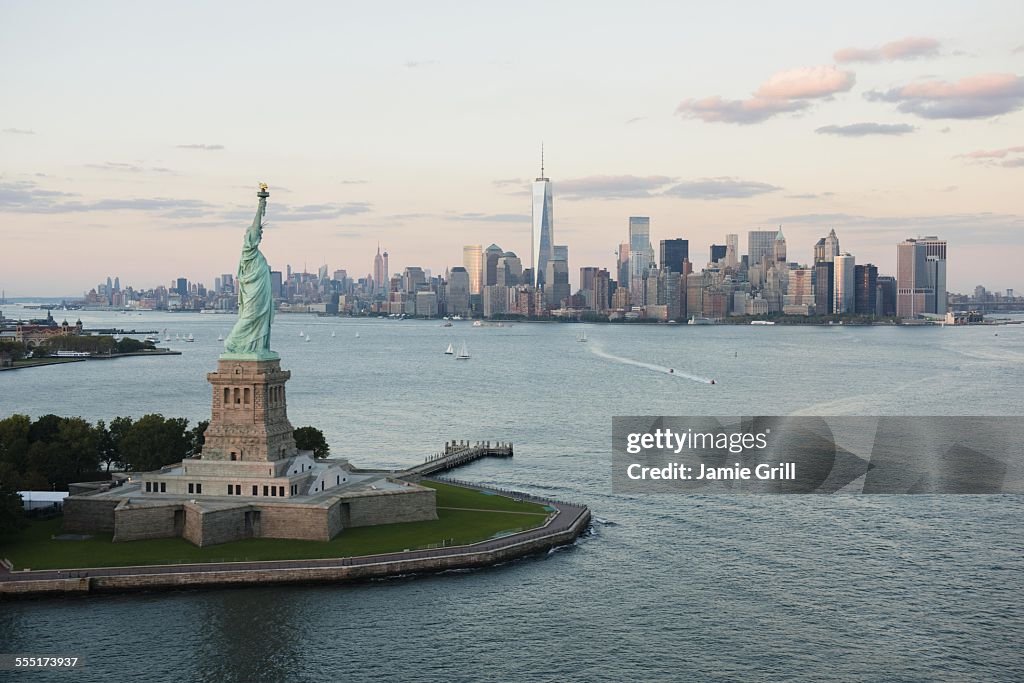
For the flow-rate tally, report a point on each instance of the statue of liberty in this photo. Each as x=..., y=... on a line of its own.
x=250, y=337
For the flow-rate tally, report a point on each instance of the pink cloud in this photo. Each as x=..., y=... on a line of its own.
x=785, y=91
x=905, y=48
x=973, y=97
x=993, y=153
x=805, y=83
x=718, y=110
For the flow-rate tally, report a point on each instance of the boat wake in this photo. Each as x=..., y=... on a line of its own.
x=649, y=366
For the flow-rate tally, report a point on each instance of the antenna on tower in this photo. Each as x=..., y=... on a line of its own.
x=542, y=159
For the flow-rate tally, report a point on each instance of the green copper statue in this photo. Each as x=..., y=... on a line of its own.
x=250, y=337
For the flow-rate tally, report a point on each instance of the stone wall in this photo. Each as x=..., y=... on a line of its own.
x=303, y=522
x=210, y=527
x=136, y=523
x=390, y=507
x=84, y=515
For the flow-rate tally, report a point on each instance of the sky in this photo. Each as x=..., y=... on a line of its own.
x=133, y=135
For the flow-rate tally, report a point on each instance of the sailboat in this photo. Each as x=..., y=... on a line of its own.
x=190, y=338
x=449, y=351
x=582, y=337
x=357, y=335
x=302, y=333
x=307, y=337
x=167, y=335
x=220, y=337
x=332, y=333
x=463, y=352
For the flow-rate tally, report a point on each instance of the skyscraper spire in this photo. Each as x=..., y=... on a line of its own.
x=542, y=159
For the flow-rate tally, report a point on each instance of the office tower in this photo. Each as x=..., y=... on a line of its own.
x=509, y=270
x=600, y=287
x=322, y=273
x=824, y=286
x=844, y=290
x=276, y=285
x=557, y=287
x=380, y=275
x=495, y=299
x=181, y=288
x=641, y=254
x=831, y=246
x=760, y=246
x=543, y=236
x=718, y=252
x=695, y=294
x=935, y=267
x=779, y=247
x=732, y=249
x=913, y=290
x=457, y=295
x=622, y=266
x=670, y=293
x=387, y=273
x=472, y=261
x=216, y=285
x=426, y=303
x=673, y=253
x=886, y=302
x=289, y=269
x=799, y=297
x=866, y=285
x=491, y=256
x=117, y=284
x=412, y=278
x=587, y=274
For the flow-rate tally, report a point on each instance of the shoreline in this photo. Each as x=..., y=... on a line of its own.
x=569, y=522
x=55, y=360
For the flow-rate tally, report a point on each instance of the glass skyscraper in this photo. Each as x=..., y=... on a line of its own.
x=543, y=238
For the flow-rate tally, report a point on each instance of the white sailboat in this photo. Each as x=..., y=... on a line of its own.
x=167, y=335
x=463, y=352
x=357, y=335
x=332, y=333
x=582, y=337
x=220, y=337
x=307, y=337
x=302, y=333
x=450, y=350
x=190, y=338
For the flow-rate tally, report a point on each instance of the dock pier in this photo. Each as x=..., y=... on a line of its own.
x=457, y=453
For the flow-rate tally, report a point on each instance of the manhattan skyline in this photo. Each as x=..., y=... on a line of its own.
x=375, y=125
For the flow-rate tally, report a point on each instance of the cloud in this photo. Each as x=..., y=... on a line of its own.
x=505, y=182
x=973, y=97
x=489, y=217
x=806, y=83
x=354, y=182
x=418, y=64
x=810, y=195
x=906, y=48
x=128, y=168
x=19, y=131
x=718, y=110
x=856, y=130
x=1008, y=157
x=635, y=119
x=27, y=197
x=313, y=212
x=786, y=91
x=611, y=187
x=719, y=188
x=208, y=148
x=1019, y=50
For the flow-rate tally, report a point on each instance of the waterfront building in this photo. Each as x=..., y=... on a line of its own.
x=844, y=289
x=732, y=248
x=557, y=287
x=457, y=295
x=496, y=300
x=886, y=296
x=760, y=246
x=914, y=289
x=799, y=299
x=600, y=298
x=426, y=303
x=672, y=253
x=866, y=286
x=543, y=234
x=824, y=287
x=492, y=255
x=472, y=261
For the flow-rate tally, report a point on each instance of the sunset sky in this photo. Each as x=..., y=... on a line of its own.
x=134, y=134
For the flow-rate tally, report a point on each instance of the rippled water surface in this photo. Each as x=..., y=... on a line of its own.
x=912, y=588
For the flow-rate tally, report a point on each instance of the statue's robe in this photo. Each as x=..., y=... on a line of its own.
x=251, y=333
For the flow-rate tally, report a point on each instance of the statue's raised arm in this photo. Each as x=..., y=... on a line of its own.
x=250, y=337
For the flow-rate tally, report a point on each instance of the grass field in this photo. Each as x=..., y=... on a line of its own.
x=483, y=516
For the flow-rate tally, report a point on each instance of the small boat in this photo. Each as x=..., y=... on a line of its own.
x=357, y=335
x=152, y=339
x=220, y=337
x=190, y=338
x=463, y=352
x=762, y=322
x=177, y=336
x=302, y=333
x=447, y=324
x=478, y=323
x=712, y=381
x=695, y=320
x=450, y=350
x=332, y=333
x=307, y=338
x=582, y=337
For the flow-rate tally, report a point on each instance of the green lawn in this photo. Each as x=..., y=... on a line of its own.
x=35, y=548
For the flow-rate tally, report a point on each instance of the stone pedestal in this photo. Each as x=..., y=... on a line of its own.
x=249, y=422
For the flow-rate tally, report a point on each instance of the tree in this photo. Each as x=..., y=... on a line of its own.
x=14, y=441
x=197, y=437
x=106, y=450
x=12, y=515
x=312, y=439
x=154, y=441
